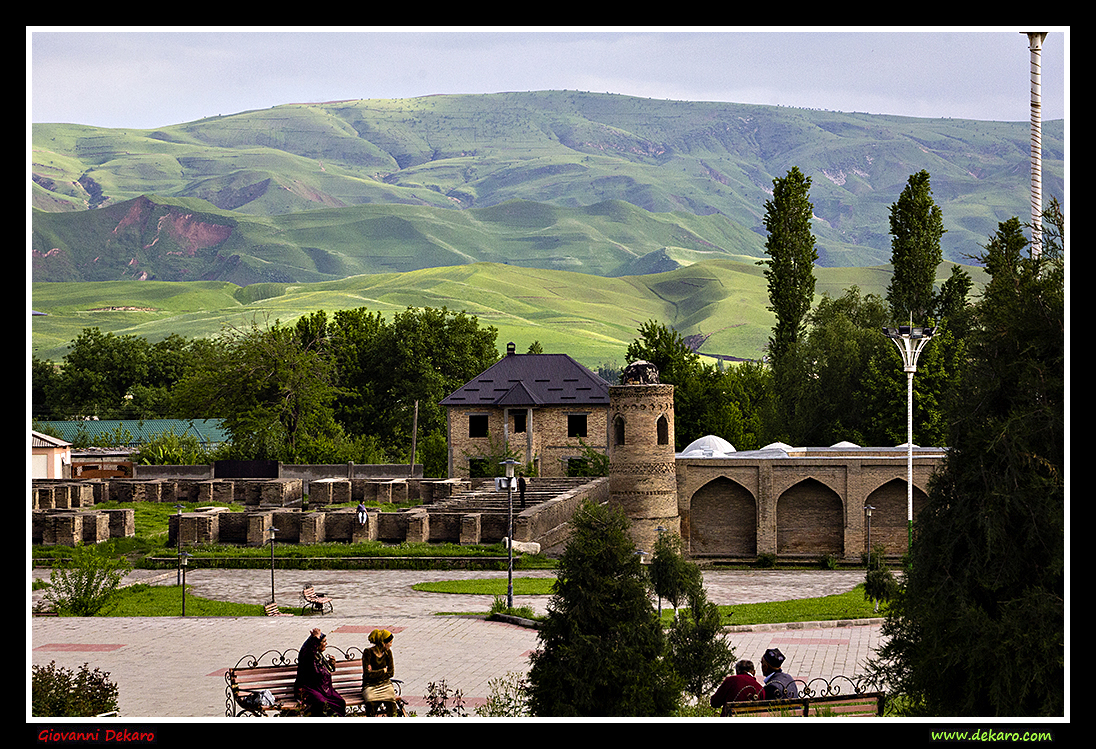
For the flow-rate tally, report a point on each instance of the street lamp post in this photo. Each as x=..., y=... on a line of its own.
x=178, y=537
x=910, y=340
x=273, y=530
x=867, y=513
x=182, y=569
x=509, y=463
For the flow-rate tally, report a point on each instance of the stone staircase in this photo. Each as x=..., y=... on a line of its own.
x=486, y=499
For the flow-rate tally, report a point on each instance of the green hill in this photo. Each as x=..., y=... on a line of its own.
x=420, y=177
x=720, y=301
x=170, y=239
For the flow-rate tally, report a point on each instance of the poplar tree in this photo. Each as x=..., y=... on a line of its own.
x=916, y=225
x=792, y=254
x=790, y=274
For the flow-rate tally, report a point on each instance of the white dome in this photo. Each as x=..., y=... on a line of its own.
x=844, y=443
x=777, y=446
x=709, y=446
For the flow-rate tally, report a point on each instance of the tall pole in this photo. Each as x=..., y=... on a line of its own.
x=510, y=463
x=272, y=532
x=910, y=340
x=1035, y=45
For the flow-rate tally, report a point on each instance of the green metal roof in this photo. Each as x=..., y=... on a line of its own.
x=208, y=431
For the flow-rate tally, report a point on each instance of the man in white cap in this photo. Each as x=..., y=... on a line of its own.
x=778, y=685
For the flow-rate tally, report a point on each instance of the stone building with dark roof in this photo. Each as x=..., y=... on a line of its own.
x=546, y=408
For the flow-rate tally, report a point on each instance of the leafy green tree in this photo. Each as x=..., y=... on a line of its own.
x=601, y=647
x=672, y=576
x=664, y=347
x=699, y=650
x=916, y=225
x=977, y=627
x=385, y=368
x=273, y=389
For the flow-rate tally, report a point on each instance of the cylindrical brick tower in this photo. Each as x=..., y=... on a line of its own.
x=642, y=471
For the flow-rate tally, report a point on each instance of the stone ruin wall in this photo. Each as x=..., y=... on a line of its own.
x=64, y=512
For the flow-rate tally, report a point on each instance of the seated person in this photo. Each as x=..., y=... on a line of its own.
x=738, y=688
x=778, y=685
x=313, y=684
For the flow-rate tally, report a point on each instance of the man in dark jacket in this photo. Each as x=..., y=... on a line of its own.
x=778, y=685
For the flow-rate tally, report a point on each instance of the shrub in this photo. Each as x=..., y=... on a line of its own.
x=87, y=583
x=437, y=697
x=765, y=561
x=508, y=698
x=61, y=693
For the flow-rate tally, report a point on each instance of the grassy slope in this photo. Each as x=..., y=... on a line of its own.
x=590, y=317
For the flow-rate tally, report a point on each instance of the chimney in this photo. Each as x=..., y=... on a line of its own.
x=510, y=350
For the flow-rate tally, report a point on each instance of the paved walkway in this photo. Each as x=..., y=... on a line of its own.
x=173, y=667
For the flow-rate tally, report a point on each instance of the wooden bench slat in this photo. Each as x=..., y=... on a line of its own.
x=861, y=705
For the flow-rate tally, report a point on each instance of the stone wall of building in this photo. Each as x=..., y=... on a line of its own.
x=799, y=506
x=546, y=438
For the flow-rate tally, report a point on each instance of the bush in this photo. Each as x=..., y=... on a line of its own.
x=765, y=561
x=508, y=698
x=437, y=697
x=87, y=583
x=57, y=692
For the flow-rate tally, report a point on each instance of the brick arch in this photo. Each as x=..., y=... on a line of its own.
x=723, y=520
x=810, y=519
x=889, y=519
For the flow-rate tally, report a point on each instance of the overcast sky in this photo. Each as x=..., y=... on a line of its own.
x=147, y=78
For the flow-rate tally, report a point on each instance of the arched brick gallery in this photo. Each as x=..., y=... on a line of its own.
x=889, y=517
x=723, y=520
x=810, y=519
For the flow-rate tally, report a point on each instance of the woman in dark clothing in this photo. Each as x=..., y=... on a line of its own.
x=377, y=671
x=313, y=684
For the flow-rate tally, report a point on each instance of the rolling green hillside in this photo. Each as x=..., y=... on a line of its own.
x=287, y=174
x=723, y=301
x=152, y=238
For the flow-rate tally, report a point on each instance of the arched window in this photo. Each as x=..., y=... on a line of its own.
x=618, y=430
x=663, y=427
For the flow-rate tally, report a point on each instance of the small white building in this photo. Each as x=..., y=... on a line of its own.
x=50, y=457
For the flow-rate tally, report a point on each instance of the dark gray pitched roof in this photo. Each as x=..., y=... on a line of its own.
x=518, y=380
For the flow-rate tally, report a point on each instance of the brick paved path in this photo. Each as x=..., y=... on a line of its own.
x=173, y=667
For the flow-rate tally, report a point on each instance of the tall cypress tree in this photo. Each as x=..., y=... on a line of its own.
x=977, y=628
x=916, y=225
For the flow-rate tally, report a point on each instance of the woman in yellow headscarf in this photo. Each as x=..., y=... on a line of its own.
x=377, y=671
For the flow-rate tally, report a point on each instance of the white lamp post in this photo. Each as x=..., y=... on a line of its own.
x=509, y=463
x=910, y=340
x=273, y=530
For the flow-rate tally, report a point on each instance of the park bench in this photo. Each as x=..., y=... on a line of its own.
x=866, y=705
x=836, y=697
x=276, y=672
x=313, y=601
x=272, y=610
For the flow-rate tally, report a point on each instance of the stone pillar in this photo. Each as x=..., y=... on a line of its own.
x=642, y=469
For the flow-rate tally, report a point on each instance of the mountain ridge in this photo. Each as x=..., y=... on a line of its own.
x=564, y=150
